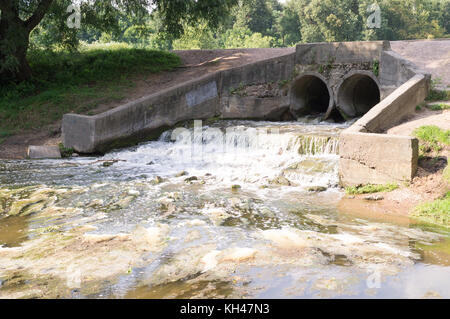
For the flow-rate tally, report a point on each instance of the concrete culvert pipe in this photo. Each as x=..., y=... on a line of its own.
x=311, y=95
x=357, y=94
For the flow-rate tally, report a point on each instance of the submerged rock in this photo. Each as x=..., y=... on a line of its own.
x=374, y=197
x=108, y=163
x=182, y=173
x=190, y=179
x=235, y=187
x=317, y=189
x=281, y=180
x=157, y=180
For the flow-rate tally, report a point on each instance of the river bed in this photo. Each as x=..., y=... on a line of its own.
x=235, y=209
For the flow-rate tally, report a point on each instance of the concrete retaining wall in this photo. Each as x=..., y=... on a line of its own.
x=376, y=158
x=203, y=98
x=368, y=158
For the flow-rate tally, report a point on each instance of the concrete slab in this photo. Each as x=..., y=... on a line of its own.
x=39, y=152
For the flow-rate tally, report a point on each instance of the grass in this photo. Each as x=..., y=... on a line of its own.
x=436, y=212
x=446, y=173
x=438, y=107
x=74, y=82
x=432, y=138
x=435, y=94
x=438, y=95
x=370, y=188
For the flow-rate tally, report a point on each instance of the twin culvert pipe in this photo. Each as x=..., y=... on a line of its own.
x=353, y=96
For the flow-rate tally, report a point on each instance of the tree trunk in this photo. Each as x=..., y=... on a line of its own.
x=14, y=40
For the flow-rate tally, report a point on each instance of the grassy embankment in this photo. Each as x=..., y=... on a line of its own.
x=75, y=82
x=432, y=140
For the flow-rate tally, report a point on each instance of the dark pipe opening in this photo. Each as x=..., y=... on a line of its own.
x=309, y=95
x=357, y=95
x=336, y=116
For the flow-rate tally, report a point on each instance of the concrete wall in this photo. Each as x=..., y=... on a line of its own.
x=368, y=158
x=206, y=97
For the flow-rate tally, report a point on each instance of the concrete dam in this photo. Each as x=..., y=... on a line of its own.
x=336, y=81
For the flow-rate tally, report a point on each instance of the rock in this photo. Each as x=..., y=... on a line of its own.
x=157, y=180
x=36, y=152
x=281, y=180
x=235, y=187
x=150, y=163
x=317, y=189
x=265, y=212
x=182, y=173
x=374, y=197
x=75, y=155
x=191, y=179
x=133, y=192
x=108, y=163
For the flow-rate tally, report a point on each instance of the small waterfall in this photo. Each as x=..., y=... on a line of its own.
x=317, y=145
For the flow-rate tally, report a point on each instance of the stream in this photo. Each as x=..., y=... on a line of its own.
x=230, y=209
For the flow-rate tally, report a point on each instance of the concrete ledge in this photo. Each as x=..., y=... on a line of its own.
x=376, y=158
x=340, y=52
x=40, y=152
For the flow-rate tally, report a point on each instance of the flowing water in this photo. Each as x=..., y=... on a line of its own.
x=233, y=209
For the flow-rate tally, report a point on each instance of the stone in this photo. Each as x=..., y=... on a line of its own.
x=281, y=180
x=374, y=197
x=182, y=173
x=190, y=179
x=157, y=180
x=317, y=189
x=39, y=152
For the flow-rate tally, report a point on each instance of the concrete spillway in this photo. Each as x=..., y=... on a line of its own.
x=336, y=80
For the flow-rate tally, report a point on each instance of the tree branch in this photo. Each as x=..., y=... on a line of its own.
x=38, y=15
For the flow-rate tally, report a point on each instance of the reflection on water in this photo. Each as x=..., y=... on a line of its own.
x=227, y=216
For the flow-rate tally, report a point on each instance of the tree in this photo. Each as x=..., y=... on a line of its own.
x=329, y=20
x=18, y=18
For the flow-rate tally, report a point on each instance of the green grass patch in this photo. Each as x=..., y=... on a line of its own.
x=75, y=82
x=65, y=151
x=446, y=173
x=438, y=95
x=370, y=188
x=436, y=212
x=432, y=138
x=438, y=107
